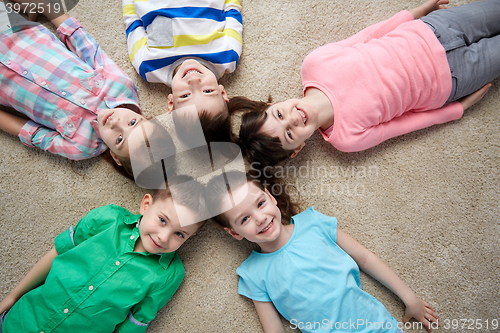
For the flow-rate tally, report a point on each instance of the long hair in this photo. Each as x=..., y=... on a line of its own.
x=256, y=146
x=217, y=190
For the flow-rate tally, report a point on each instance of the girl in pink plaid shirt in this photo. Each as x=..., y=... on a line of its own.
x=78, y=101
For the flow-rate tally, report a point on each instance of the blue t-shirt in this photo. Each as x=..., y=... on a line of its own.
x=312, y=282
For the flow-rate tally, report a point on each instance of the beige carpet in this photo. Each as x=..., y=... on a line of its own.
x=426, y=202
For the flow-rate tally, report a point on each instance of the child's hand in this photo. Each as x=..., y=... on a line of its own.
x=421, y=311
x=428, y=7
x=473, y=98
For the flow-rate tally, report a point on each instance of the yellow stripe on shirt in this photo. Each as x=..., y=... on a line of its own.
x=129, y=10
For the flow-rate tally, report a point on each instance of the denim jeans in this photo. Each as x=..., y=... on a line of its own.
x=470, y=36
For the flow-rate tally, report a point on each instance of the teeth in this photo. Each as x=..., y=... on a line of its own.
x=191, y=71
x=303, y=115
x=266, y=228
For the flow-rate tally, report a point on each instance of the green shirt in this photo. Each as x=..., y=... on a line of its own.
x=97, y=283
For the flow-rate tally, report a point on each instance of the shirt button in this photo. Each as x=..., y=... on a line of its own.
x=25, y=72
x=91, y=288
x=8, y=63
x=82, y=102
x=117, y=263
x=64, y=93
x=66, y=311
x=44, y=83
x=132, y=237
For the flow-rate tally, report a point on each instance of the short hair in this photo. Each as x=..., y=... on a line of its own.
x=187, y=191
x=255, y=145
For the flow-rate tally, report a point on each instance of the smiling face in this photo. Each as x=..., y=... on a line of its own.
x=292, y=121
x=193, y=83
x=257, y=218
x=115, y=126
x=160, y=229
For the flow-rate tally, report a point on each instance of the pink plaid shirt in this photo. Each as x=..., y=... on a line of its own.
x=61, y=91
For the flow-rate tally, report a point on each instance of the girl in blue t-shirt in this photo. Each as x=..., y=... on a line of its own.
x=307, y=270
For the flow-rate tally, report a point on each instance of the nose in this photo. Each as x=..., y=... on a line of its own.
x=194, y=80
x=293, y=118
x=164, y=236
x=114, y=121
x=260, y=218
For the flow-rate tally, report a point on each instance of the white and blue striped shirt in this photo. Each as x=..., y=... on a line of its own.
x=163, y=33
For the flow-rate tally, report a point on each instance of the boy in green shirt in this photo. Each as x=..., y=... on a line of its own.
x=112, y=272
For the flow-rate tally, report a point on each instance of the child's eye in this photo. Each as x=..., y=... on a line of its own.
x=279, y=115
x=163, y=221
x=289, y=134
x=179, y=234
x=243, y=220
x=132, y=122
x=119, y=139
x=185, y=96
x=208, y=91
x=261, y=203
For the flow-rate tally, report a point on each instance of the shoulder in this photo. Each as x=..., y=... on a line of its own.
x=313, y=222
x=310, y=215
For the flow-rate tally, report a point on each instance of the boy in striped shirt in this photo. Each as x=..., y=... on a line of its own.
x=187, y=45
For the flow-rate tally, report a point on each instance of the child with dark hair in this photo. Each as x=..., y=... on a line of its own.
x=113, y=271
x=307, y=271
x=188, y=46
x=78, y=101
x=419, y=68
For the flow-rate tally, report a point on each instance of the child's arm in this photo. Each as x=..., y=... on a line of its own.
x=374, y=266
x=55, y=15
x=11, y=123
x=428, y=7
x=33, y=279
x=269, y=317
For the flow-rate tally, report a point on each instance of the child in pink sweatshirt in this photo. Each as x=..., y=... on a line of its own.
x=406, y=73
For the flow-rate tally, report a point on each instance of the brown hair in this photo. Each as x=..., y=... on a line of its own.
x=217, y=189
x=256, y=146
x=187, y=192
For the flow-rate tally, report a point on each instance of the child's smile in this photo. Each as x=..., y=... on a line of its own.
x=257, y=218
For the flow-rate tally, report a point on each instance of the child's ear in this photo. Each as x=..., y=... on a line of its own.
x=115, y=158
x=170, y=103
x=296, y=151
x=223, y=93
x=233, y=233
x=146, y=202
x=273, y=199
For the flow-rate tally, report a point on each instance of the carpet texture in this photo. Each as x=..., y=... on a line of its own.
x=426, y=203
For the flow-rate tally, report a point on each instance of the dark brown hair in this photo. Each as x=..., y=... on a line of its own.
x=217, y=189
x=257, y=147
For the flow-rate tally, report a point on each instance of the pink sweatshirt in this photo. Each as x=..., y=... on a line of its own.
x=387, y=80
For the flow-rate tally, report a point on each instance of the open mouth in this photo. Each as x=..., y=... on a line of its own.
x=303, y=115
x=267, y=227
x=106, y=118
x=191, y=71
